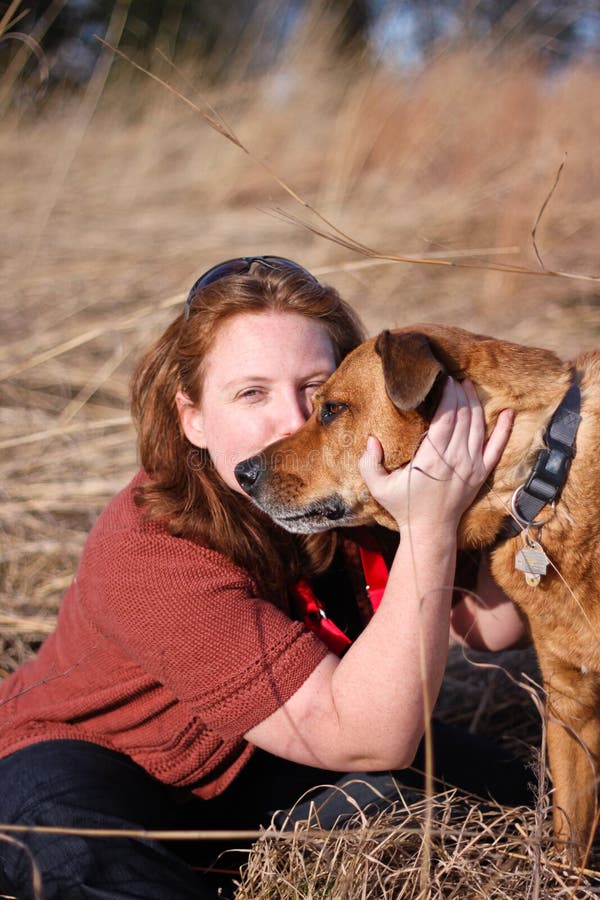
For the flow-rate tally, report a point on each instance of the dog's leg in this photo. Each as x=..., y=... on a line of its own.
x=573, y=751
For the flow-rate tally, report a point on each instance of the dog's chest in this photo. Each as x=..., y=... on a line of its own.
x=563, y=615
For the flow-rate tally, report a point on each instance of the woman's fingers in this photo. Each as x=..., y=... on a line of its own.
x=450, y=431
x=498, y=439
x=458, y=429
x=489, y=452
x=476, y=437
x=443, y=422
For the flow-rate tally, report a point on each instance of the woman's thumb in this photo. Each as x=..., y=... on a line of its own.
x=370, y=465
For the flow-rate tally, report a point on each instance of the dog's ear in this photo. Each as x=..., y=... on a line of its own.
x=414, y=378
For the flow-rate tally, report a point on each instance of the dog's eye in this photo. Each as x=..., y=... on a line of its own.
x=329, y=411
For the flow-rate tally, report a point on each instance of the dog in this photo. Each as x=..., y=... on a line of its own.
x=544, y=550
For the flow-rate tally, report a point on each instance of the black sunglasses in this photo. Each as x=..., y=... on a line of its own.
x=239, y=266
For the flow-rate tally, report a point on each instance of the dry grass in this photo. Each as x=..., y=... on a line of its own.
x=476, y=852
x=112, y=205
x=471, y=849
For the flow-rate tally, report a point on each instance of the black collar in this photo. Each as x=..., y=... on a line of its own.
x=551, y=467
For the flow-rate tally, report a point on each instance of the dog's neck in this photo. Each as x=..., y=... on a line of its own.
x=503, y=375
x=486, y=517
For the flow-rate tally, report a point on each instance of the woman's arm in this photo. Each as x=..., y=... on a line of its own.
x=487, y=619
x=367, y=711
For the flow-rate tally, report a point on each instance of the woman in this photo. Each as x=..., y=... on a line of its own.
x=181, y=687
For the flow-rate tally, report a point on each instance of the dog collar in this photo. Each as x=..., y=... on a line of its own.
x=551, y=467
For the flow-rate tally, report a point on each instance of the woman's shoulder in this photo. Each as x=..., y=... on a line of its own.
x=124, y=535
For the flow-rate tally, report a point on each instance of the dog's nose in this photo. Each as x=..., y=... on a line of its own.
x=248, y=473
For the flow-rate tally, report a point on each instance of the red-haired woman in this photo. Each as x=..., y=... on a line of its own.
x=181, y=688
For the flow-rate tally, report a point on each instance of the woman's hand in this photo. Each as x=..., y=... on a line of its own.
x=448, y=468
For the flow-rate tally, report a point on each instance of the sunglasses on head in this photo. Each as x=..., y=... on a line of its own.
x=238, y=266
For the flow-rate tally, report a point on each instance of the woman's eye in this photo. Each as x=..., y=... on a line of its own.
x=331, y=410
x=250, y=394
x=312, y=387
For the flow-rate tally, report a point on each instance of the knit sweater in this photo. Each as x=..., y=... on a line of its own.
x=162, y=651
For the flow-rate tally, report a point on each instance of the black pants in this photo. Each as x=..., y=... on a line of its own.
x=79, y=785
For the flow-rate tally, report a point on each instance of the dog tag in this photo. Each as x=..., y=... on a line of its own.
x=532, y=561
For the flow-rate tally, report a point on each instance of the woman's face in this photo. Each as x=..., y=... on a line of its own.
x=259, y=380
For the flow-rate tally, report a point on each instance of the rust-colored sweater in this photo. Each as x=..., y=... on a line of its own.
x=162, y=651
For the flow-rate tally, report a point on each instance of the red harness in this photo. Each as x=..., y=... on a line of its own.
x=316, y=619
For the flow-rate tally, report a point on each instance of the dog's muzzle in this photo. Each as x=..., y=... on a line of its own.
x=306, y=518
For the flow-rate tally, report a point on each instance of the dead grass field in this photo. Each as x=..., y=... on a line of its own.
x=113, y=204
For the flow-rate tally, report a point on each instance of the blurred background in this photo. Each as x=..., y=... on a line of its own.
x=432, y=129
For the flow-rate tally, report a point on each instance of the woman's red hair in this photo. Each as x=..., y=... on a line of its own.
x=185, y=491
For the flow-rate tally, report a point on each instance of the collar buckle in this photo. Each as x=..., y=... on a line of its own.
x=551, y=467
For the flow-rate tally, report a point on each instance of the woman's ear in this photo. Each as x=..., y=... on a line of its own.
x=191, y=420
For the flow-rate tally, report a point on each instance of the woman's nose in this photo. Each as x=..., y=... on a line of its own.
x=294, y=416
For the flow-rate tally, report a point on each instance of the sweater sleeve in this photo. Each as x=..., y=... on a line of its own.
x=191, y=620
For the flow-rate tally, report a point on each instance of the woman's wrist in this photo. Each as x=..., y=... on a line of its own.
x=427, y=556
x=426, y=531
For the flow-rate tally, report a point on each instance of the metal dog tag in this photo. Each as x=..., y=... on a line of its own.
x=532, y=561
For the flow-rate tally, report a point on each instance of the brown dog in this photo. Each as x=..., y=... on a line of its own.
x=389, y=387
